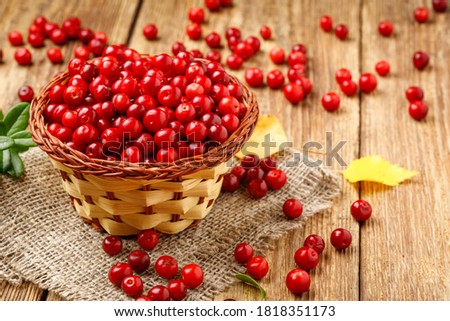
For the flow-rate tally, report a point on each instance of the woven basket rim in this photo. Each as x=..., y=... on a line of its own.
x=80, y=162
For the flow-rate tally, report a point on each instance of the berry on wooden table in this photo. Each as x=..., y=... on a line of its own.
x=265, y=32
x=361, y=210
x=382, y=68
x=25, y=94
x=341, y=31
x=349, y=87
x=326, y=23
x=420, y=60
x=15, y=38
x=418, y=110
x=330, y=101
x=243, y=252
x=341, y=238
x=385, y=28
x=439, y=5
x=368, y=82
x=150, y=31
x=293, y=93
x=342, y=75
x=23, y=56
x=55, y=55
x=194, y=31
x=275, y=79
x=306, y=258
x=254, y=77
x=298, y=281
x=112, y=245
x=292, y=208
x=315, y=242
x=212, y=5
x=277, y=55
x=414, y=93
x=421, y=14
x=257, y=267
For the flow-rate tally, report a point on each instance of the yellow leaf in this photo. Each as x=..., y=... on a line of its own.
x=376, y=169
x=259, y=143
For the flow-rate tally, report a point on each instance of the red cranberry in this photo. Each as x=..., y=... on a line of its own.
x=243, y=50
x=167, y=155
x=23, y=56
x=166, y=267
x=40, y=21
x=326, y=23
x=139, y=260
x=70, y=27
x=132, y=154
x=254, y=43
x=159, y=293
x=85, y=35
x=143, y=298
x=254, y=173
x=196, y=15
x=226, y=3
x=330, y=102
x=192, y=275
x=414, y=93
x=298, y=281
x=368, y=82
x=275, y=79
x=217, y=133
x=277, y=55
x=385, y=28
x=177, y=290
x=212, y=5
x=234, y=61
x=265, y=32
x=213, y=40
x=349, y=87
x=439, y=5
x=132, y=285
x=420, y=60
x=15, y=38
x=298, y=47
x=55, y=55
x=214, y=55
x=150, y=31
x=118, y=272
x=249, y=161
x=254, y=77
x=275, y=179
x=293, y=93
x=84, y=135
x=268, y=163
x=233, y=32
x=25, y=93
x=257, y=188
x=194, y=31
x=341, y=238
x=315, y=242
x=361, y=210
x=243, y=252
x=341, y=31
x=292, y=208
x=421, y=14
x=112, y=245
x=58, y=37
x=306, y=258
x=343, y=74
x=230, y=183
x=96, y=46
x=418, y=110
x=382, y=68
x=296, y=58
x=196, y=131
x=240, y=172
x=82, y=52
x=228, y=105
x=257, y=267
x=231, y=122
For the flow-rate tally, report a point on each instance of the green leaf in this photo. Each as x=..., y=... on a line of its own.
x=24, y=142
x=20, y=149
x=5, y=160
x=6, y=142
x=2, y=128
x=21, y=134
x=1, y=115
x=17, y=165
x=17, y=118
x=251, y=281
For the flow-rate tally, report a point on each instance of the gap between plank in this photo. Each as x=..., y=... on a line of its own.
x=133, y=23
x=360, y=56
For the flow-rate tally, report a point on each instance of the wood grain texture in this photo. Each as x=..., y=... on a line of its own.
x=24, y=292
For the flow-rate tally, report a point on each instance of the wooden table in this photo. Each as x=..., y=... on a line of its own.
x=402, y=252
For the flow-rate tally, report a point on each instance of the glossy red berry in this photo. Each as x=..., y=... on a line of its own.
x=343, y=74
x=293, y=93
x=230, y=183
x=196, y=15
x=143, y=298
x=15, y=38
x=55, y=55
x=326, y=23
x=292, y=208
x=306, y=258
x=249, y=161
x=414, y=93
x=349, y=87
x=265, y=32
x=23, y=56
x=58, y=37
x=167, y=155
x=159, y=293
x=155, y=119
x=240, y=172
x=150, y=31
x=118, y=272
x=254, y=42
x=196, y=131
x=177, y=290
x=268, y=163
x=192, y=275
x=418, y=110
x=330, y=101
x=368, y=82
x=166, y=267
x=439, y=5
x=213, y=40
x=341, y=31
x=315, y=242
x=421, y=14
x=84, y=135
x=243, y=252
x=254, y=173
x=112, y=245
x=132, y=285
x=194, y=31
x=258, y=188
x=276, y=179
x=234, y=61
x=385, y=28
x=277, y=55
x=212, y=5
x=275, y=79
x=420, y=60
x=25, y=93
x=147, y=239
x=254, y=77
x=341, y=238
x=243, y=50
x=231, y=122
x=139, y=260
x=257, y=267
x=383, y=68
x=361, y=210
x=298, y=281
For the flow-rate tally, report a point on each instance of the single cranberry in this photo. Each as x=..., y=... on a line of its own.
x=275, y=79
x=36, y=40
x=118, y=272
x=277, y=55
x=95, y=149
x=298, y=47
x=25, y=93
x=58, y=37
x=420, y=60
x=234, y=61
x=243, y=50
x=349, y=87
x=326, y=23
x=192, y=275
x=85, y=35
x=414, y=93
x=341, y=238
x=243, y=252
x=70, y=27
x=139, y=260
x=276, y=179
x=167, y=155
x=194, y=31
x=131, y=127
x=226, y=3
x=177, y=290
x=49, y=27
x=228, y=105
x=217, y=133
x=100, y=35
x=421, y=14
x=268, y=163
x=132, y=154
x=159, y=293
x=69, y=119
x=265, y=32
x=330, y=101
x=361, y=210
x=23, y=56
x=112, y=245
x=96, y=46
x=315, y=242
x=240, y=172
x=257, y=188
x=196, y=131
x=55, y=55
x=293, y=93
x=254, y=43
x=306, y=258
x=166, y=267
x=254, y=173
x=40, y=21
x=254, y=77
x=368, y=82
x=82, y=52
x=385, y=28
x=132, y=285
x=196, y=148
x=15, y=38
x=231, y=122
x=178, y=47
x=84, y=135
x=257, y=267
x=439, y=5
x=196, y=15
x=233, y=32
x=418, y=110
x=298, y=281
x=150, y=31
x=249, y=161
x=296, y=72
x=341, y=31
x=343, y=74
x=296, y=58
x=212, y=5
x=169, y=96
x=213, y=40
x=87, y=115
x=292, y=208
x=214, y=55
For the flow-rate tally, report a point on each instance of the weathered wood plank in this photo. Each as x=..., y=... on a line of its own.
x=24, y=292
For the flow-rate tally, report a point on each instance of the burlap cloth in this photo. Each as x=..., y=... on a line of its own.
x=43, y=240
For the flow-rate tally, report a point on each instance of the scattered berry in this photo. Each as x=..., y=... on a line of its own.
x=293, y=93
x=194, y=31
x=25, y=94
x=139, y=260
x=166, y=267
x=159, y=293
x=385, y=28
x=192, y=275
x=275, y=79
x=342, y=75
x=276, y=179
x=349, y=87
x=361, y=210
x=150, y=31
x=118, y=272
x=420, y=60
x=330, y=101
x=439, y=5
x=112, y=245
x=132, y=285
x=196, y=15
x=277, y=55
x=23, y=56
x=257, y=188
x=298, y=281
x=177, y=290
x=315, y=242
x=292, y=208
x=243, y=253
x=265, y=32
x=254, y=77
x=212, y=5
x=414, y=93
x=382, y=68
x=326, y=23
x=55, y=55
x=341, y=238
x=257, y=267
x=230, y=183
x=341, y=31
x=418, y=110
x=421, y=14
x=368, y=82
x=306, y=258
x=15, y=38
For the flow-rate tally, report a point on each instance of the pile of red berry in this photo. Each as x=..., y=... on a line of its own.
x=124, y=106
x=260, y=176
x=121, y=274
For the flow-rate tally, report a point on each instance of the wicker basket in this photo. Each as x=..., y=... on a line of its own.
x=125, y=198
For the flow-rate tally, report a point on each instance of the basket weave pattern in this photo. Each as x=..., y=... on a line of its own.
x=124, y=198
